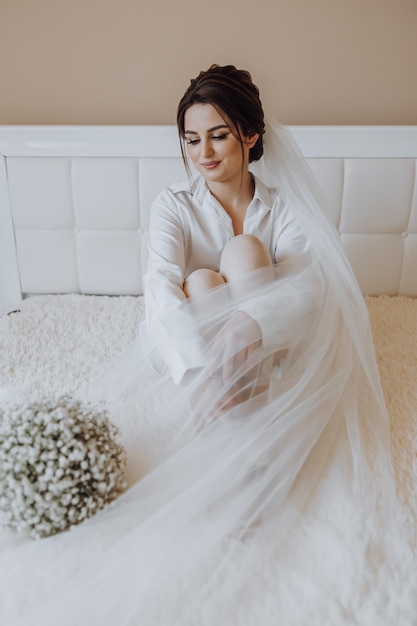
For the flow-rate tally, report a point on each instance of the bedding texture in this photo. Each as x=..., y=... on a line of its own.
x=321, y=574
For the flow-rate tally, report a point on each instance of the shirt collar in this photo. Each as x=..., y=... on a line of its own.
x=262, y=192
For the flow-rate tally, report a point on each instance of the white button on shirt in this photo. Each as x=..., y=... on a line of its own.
x=188, y=230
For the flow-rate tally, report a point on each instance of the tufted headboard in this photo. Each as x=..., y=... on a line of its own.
x=74, y=204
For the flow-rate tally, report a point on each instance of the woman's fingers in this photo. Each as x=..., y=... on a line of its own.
x=227, y=359
x=234, y=345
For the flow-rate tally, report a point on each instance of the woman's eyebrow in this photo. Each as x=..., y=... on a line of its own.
x=210, y=130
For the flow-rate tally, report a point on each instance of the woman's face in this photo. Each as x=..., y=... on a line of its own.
x=212, y=147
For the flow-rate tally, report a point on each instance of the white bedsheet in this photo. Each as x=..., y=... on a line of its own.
x=320, y=575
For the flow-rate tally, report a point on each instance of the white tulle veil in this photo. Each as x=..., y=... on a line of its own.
x=227, y=474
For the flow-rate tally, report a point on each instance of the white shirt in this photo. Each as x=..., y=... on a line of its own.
x=188, y=230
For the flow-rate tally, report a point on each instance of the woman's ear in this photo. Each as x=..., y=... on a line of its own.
x=251, y=139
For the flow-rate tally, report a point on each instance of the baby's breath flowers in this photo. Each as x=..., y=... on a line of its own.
x=60, y=463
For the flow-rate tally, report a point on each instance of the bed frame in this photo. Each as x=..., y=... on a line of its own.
x=74, y=204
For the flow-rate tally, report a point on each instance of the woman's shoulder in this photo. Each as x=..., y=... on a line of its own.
x=183, y=194
x=270, y=196
x=179, y=189
x=173, y=190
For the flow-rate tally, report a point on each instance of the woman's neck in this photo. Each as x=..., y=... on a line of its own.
x=234, y=196
x=235, y=199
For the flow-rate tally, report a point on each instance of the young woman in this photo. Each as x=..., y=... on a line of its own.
x=244, y=271
x=223, y=228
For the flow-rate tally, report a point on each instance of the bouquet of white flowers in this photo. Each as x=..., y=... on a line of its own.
x=60, y=463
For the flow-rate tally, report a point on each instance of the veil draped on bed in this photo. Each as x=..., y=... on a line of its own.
x=247, y=451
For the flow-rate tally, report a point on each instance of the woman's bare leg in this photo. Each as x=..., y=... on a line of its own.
x=241, y=257
x=201, y=281
x=197, y=285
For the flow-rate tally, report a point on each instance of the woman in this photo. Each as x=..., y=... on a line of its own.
x=240, y=276
x=225, y=227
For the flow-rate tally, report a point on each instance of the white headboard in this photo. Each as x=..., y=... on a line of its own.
x=74, y=204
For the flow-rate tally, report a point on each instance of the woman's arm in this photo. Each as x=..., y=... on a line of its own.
x=282, y=309
x=168, y=319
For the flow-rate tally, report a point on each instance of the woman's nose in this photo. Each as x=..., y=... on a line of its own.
x=206, y=148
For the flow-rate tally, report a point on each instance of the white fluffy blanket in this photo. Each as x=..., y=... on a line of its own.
x=320, y=575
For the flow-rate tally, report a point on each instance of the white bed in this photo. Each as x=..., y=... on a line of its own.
x=74, y=206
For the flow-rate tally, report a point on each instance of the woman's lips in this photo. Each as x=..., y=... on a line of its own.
x=209, y=165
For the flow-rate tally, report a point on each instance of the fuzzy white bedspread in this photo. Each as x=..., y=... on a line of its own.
x=320, y=575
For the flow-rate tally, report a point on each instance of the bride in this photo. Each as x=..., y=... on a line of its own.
x=257, y=344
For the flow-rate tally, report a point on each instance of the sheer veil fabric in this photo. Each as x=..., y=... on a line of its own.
x=248, y=452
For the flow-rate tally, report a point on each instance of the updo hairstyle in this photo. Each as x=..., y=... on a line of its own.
x=234, y=96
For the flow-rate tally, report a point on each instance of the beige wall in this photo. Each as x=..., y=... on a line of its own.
x=129, y=61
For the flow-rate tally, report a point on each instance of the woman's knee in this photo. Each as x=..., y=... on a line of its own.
x=201, y=281
x=243, y=254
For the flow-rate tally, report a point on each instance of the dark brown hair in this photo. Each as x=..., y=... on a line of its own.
x=233, y=94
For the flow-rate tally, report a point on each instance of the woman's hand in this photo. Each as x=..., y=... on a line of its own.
x=235, y=343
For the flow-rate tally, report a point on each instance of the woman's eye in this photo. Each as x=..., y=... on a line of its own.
x=192, y=142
